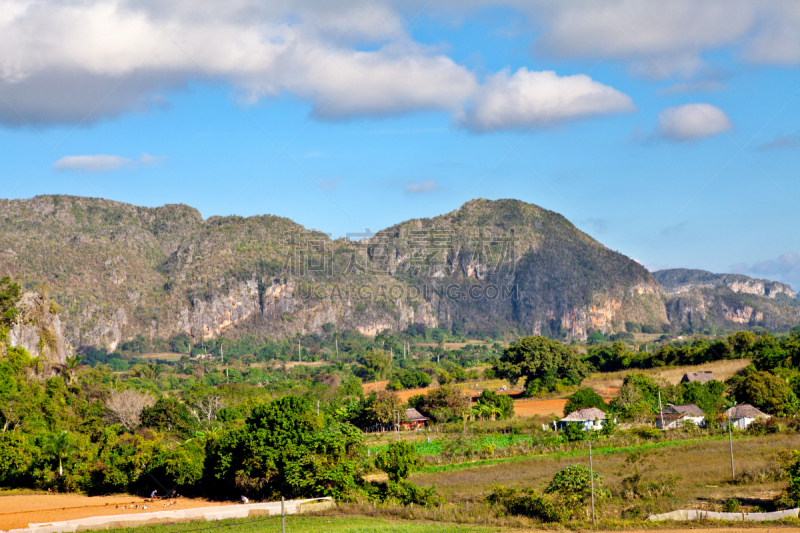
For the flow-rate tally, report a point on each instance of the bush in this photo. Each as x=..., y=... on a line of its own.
x=399, y=461
x=573, y=485
x=646, y=432
x=575, y=433
x=528, y=502
x=407, y=493
x=732, y=506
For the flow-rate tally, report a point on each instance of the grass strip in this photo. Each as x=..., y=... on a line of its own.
x=560, y=455
x=315, y=524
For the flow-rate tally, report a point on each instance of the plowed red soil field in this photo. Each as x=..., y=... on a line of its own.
x=18, y=511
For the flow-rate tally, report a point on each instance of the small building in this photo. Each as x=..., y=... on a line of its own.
x=698, y=377
x=676, y=416
x=588, y=417
x=743, y=415
x=414, y=420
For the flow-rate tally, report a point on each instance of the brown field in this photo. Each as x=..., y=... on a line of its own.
x=613, y=380
x=530, y=408
x=703, y=467
x=18, y=511
x=166, y=356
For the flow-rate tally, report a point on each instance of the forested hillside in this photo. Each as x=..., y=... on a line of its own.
x=491, y=268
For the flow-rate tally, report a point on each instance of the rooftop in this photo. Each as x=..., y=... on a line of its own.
x=744, y=410
x=685, y=409
x=412, y=415
x=584, y=415
x=700, y=377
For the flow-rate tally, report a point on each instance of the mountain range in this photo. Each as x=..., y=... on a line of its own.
x=493, y=268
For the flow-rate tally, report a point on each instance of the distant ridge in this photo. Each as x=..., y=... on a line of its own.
x=490, y=268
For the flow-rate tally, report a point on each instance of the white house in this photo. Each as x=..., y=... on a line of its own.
x=588, y=418
x=743, y=415
x=676, y=416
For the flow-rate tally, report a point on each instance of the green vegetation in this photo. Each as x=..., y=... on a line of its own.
x=322, y=524
x=582, y=398
x=544, y=363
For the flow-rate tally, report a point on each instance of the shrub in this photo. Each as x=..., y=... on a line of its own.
x=732, y=506
x=528, y=502
x=573, y=486
x=407, y=493
x=399, y=461
x=575, y=433
x=646, y=432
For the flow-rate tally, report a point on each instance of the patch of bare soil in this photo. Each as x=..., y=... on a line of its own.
x=18, y=511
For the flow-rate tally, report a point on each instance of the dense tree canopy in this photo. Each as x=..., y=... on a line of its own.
x=582, y=398
x=543, y=362
x=765, y=391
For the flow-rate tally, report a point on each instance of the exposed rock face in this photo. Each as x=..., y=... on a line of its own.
x=496, y=267
x=701, y=299
x=681, y=280
x=38, y=330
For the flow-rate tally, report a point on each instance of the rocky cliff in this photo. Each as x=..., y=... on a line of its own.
x=496, y=267
x=38, y=330
x=700, y=299
x=119, y=271
x=681, y=280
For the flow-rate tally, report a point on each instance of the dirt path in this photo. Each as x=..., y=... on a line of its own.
x=18, y=511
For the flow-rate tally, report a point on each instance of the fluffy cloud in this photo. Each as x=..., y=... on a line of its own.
x=657, y=39
x=692, y=121
x=68, y=62
x=91, y=163
x=786, y=269
x=529, y=99
x=104, y=163
x=79, y=62
x=424, y=187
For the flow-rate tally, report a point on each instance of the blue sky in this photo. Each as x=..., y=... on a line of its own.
x=670, y=132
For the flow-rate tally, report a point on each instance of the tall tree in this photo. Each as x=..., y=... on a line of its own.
x=542, y=362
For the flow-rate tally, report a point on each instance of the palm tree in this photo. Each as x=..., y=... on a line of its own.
x=58, y=445
x=72, y=365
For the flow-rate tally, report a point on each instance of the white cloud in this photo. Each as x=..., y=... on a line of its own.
x=530, y=99
x=91, y=163
x=66, y=62
x=73, y=62
x=104, y=163
x=423, y=187
x=660, y=39
x=692, y=121
x=785, y=268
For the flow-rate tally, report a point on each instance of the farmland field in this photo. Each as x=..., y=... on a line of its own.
x=17, y=511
